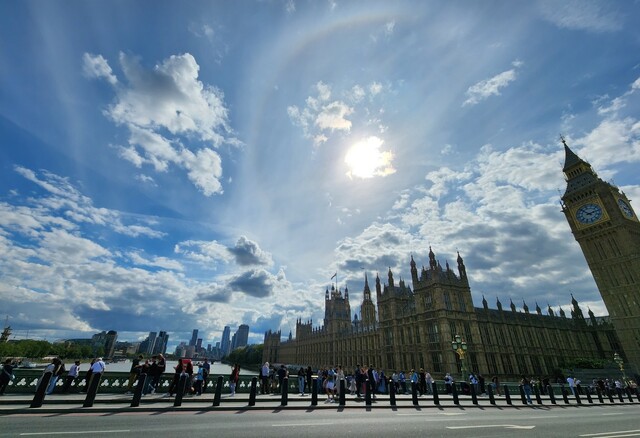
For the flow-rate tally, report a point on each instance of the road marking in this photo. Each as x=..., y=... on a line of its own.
x=77, y=432
x=601, y=434
x=418, y=414
x=615, y=413
x=298, y=424
x=506, y=426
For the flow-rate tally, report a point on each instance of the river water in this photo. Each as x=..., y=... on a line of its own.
x=125, y=367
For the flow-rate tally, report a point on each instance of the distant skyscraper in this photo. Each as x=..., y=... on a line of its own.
x=194, y=338
x=225, y=344
x=160, y=346
x=242, y=336
x=198, y=344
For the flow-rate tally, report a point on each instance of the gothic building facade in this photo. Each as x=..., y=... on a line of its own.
x=412, y=326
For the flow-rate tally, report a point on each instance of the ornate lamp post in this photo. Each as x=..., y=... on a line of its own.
x=460, y=347
x=620, y=361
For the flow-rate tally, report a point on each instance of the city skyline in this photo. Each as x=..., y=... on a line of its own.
x=216, y=164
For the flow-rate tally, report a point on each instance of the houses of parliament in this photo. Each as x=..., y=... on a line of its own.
x=412, y=326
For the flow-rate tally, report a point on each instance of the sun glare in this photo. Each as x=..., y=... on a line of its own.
x=366, y=160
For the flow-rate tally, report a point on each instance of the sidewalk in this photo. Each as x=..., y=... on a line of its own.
x=115, y=403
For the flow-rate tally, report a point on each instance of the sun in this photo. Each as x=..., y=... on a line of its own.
x=365, y=159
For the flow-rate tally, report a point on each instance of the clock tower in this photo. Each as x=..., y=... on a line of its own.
x=607, y=228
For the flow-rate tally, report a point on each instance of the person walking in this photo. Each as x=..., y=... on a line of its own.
x=233, y=379
x=301, y=380
x=6, y=375
x=526, y=386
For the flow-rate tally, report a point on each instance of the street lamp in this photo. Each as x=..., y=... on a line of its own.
x=460, y=347
x=620, y=361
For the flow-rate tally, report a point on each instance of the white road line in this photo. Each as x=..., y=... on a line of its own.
x=506, y=426
x=601, y=434
x=619, y=436
x=298, y=424
x=77, y=432
x=615, y=413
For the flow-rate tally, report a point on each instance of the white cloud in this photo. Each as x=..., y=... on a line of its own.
x=489, y=87
x=333, y=117
x=167, y=108
x=95, y=66
x=159, y=262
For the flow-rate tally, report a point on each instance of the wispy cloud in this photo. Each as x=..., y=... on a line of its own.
x=590, y=15
x=492, y=86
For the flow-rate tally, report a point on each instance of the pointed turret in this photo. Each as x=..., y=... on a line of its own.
x=538, y=309
x=485, y=305
x=432, y=260
x=462, y=270
x=326, y=294
x=414, y=271
x=378, y=289
x=562, y=314
x=592, y=317
x=578, y=172
x=550, y=310
x=391, y=283
x=513, y=306
x=525, y=307
x=346, y=293
x=498, y=304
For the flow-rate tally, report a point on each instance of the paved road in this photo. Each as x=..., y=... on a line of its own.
x=570, y=421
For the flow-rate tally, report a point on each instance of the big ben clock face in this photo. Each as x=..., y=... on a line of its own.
x=626, y=208
x=589, y=213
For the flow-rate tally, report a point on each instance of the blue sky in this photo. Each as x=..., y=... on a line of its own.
x=171, y=165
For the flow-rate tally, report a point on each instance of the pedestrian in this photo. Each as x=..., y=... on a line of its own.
x=301, y=380
x=309, y=378
x=429, y=382
x=134, y=372
x=572, y=385
x=495, y=384
x=158, y=372
x=415, y=380
x=526, y=386
x=206, y=369
x=7, y=375
x=87, y=376
x=422, y=378
x=57, y=372
x=199, y=380
x=178, y=370
x=233, y=379
x=448, y=383
x=264, y=378
x=74, y=372
x=97, y=369
x=282, y=373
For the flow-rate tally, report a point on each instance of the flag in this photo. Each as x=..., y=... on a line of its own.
x=334, y=275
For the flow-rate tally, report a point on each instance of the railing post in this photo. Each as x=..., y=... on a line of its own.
x=92, y=390
x=314, y=392
x=565, y=396
x=392, y=393
x=137, y=394
x=414, y=393
x=341, y=397
x=577, y=395
x=522, y=396
x=609, y=395
x=367, y=394
x=41, y=390
x=589, y=399
x=628, y=391
x=454, y=393
x=285, y=392
x=536, y=388
x=182, y=383
x=507, y=396
x=252, y=393
x=217, y=396
x=619, y=391
x=552, y=395
x=436, y=399
x=474, y=397
x=599, y=393
x=492, y=399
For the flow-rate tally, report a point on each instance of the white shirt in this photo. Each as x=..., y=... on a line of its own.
x=97, y=367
